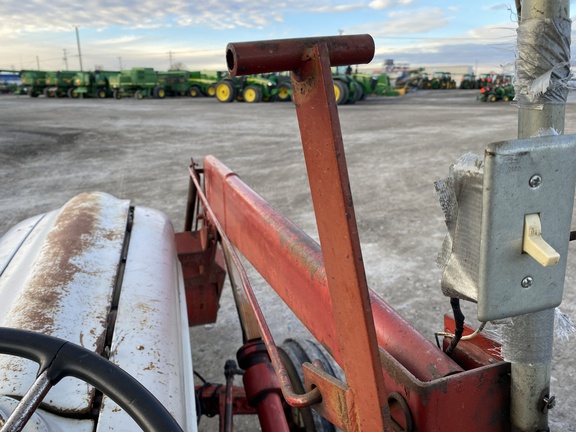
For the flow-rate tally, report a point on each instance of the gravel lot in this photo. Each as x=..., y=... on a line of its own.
x=53, y=149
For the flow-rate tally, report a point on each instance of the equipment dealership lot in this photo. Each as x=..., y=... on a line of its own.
x=53, y=149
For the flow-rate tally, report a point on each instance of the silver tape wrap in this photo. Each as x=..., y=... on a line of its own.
x=543, y=62
x=528, y=338
x=460, y=197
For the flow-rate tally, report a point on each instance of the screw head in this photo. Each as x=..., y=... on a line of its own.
x=549, y=402
x=527, y=282
x=535, y=181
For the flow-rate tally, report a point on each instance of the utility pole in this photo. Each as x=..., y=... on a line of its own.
x=38, y=62
x=79, y=52
x=120, y=62
x=65, y=59
x=530, y=397
x=170, y=56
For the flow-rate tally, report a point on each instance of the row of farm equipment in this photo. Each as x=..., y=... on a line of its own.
x=136, y=82
x=492, y=86
x=420, y=79
x=495, y=88
x=349, y=87
x=140, y=83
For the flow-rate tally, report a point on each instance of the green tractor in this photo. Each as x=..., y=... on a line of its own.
x=346, y=89
x=485, y=80
x=284, y=85
x=33, y=81
x=137, y=83
x=174, y=83
x=378, y=85
x=249, y=88
x=92, y=84
x=203, y=83
x=469, y=82
x=503, y=92
x=442, y=80
x=59, y=83
x=425, y=82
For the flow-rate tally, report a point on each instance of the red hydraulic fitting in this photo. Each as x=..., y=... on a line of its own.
x=262, y=386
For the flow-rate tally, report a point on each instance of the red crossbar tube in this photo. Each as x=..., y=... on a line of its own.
x=297, y=273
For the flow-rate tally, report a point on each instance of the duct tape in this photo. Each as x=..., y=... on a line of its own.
x=504, y=332
x=545, y=132
x=460, y=197
x=543, y=62
x=563, y=326
x=528, y=339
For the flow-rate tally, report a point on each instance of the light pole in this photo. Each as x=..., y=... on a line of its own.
x=79, y=52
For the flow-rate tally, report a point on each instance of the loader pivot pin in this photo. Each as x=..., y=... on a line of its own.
x=245, y=58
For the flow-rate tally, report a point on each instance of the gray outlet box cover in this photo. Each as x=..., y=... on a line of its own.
x=507, y=197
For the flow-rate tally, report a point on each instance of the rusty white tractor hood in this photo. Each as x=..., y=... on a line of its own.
x=103, y=275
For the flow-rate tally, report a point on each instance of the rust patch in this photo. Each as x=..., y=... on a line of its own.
x=75, y=231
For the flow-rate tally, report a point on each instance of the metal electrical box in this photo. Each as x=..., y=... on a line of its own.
x=528, y=196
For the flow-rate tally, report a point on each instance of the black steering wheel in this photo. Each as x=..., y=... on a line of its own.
x=58, y=358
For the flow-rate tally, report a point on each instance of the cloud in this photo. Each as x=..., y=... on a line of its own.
x=489, y=47
x=502, y=32
x=336, y=9
x=61, y=15
x=499, y=6
x=404, y=23
x=120, y=40
x=388, y=4
x=491, y=57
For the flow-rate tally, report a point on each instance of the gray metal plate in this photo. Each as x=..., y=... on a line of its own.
x=507, y=198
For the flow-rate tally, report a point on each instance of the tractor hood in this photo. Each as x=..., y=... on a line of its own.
x=103, y=275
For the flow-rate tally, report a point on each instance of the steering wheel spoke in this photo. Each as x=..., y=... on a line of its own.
x=59, y=358
x=28, y=404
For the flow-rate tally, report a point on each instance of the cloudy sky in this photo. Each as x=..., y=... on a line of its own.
x=133, y=33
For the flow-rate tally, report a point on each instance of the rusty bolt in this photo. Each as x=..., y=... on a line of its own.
x=549, y=402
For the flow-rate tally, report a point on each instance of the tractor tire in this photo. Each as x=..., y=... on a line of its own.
x=492, y=98
x=72, y=93
x=284, y=92
x=117, y=95
x=358, y=92
x=225, y=91
x=194, y=92
x=159, y=92
x=138, y=94
x=252, y=94
x=341, y=92
x=101, y=94
x=211, y=90
x=32, y=93
x=294, y=352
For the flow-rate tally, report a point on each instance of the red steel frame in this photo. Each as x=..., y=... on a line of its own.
x=394, y=376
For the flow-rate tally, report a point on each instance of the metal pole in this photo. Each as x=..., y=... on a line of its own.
x=551, y=115
x=79, y=52
x=530, y=397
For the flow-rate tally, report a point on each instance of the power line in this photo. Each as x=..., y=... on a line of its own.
x=439, y=38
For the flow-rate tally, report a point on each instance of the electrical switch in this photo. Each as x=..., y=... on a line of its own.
x=534, y=245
